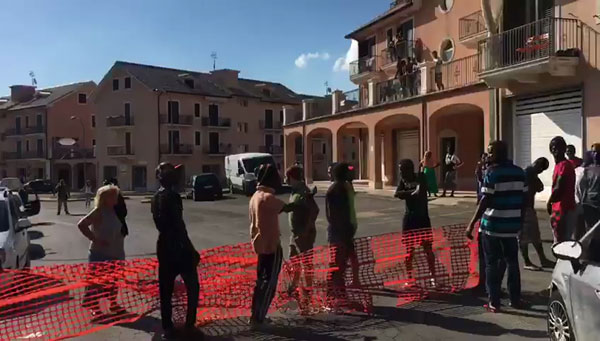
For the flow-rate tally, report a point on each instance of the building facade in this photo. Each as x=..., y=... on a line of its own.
x=153, y=114
x=35, y=122
x=513, y=70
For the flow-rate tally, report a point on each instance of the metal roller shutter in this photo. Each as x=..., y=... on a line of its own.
x=539, y=119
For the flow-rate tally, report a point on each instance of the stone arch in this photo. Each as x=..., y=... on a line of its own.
x=352, y=141
x=319, y=153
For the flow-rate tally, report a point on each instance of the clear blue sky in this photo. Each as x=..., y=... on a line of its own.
x=65, y=41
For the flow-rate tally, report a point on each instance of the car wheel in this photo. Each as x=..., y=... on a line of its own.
x=559, y=325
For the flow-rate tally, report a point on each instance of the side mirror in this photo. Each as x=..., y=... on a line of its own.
x=240, y=172
x=569, y=250
x=22, y=224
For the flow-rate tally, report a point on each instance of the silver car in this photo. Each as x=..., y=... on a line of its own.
x=574, y=306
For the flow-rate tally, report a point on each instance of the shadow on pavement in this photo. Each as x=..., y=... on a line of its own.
x=44, y=223
x=33, y=235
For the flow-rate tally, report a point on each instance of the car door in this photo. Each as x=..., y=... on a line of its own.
x=584, y=291
x=21, y=239
x=238, y=177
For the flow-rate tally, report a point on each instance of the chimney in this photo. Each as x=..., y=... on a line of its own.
x=21, y=93
x=226, y=77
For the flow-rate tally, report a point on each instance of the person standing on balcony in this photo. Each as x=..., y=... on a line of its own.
x=400, y=45
x=561, y=205
x=438, y=70
x=411, y=72
x=573, y=159
x=62, y=195
x=428, y=166
x=391, y=49
x=452, y=162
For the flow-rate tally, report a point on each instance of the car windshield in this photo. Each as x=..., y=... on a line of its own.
x=3, y=217
x=251, y=164
x=205, y=180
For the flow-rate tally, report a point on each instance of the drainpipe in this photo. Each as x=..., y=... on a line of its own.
x=160, y=93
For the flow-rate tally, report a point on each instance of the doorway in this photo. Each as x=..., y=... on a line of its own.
x=139, y=178
x=213, y=142
x=446, y=142
x=174, y=141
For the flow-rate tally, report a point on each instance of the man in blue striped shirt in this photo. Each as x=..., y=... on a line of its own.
x=501, y=213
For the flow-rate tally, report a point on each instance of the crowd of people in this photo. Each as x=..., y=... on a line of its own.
x=505, y=221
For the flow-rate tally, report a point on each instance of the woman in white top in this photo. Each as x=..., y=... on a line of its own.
x=103, y=228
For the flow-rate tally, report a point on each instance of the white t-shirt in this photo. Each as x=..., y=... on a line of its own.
x=452, y=159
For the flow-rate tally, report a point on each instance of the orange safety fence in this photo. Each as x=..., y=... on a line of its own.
x=53, y=302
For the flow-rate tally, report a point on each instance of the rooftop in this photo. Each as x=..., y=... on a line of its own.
x=42, y=97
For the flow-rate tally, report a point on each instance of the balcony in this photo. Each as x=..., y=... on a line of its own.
x=32, y=154
x=547, y=46
x=24, y=131
x=390, y=56
x=181, y=120
x=71, y=153
x=220, y=122
x=272, y=149
x=220, y=149
x=472, y=29
x=360, y=69
x=119, y=121
x=272, y=126
x=176, y=149
x=119, y=151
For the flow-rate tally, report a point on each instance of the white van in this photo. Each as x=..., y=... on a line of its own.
x=240, y=168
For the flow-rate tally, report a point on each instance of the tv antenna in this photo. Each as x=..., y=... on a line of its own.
x=33, y=80
x=214, y=58
x=327, y=88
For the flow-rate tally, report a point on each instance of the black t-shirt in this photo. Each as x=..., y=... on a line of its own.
x=416, y=205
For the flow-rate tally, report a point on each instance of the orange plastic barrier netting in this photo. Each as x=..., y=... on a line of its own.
x=53, y=302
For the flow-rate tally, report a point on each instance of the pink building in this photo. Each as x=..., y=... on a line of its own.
x=520, y=71
x=32, y=123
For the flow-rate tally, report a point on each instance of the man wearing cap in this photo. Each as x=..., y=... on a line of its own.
x=176, y=253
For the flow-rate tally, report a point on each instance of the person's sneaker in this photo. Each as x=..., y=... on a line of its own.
x=517, y=304
x=532, y=267
x=169, y=334
x=491, y=308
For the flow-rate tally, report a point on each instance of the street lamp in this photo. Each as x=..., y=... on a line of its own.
x=75, y=118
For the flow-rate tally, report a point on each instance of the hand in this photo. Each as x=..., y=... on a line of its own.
x=549, y=208
x=469, y=231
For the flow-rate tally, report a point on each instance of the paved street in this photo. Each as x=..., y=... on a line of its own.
x=450, y=317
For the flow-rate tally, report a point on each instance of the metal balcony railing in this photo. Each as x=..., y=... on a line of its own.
x=274, y=150
x=119, y=150
x=363, y=65
x=186, y=120
x=24, y=131
x=471, y=25
x=219, y=149
x=403, y=50
x=273, y=125
x=530, y=43
x=458, y=73
x=220, y=122
x=119, y=121
x=177, y=149
x=32, y=154
x=69, y=153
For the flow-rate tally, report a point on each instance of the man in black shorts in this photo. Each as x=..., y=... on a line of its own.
x=412, y=188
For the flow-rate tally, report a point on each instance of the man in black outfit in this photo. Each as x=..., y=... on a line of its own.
x=412, y=188
x=176, y=253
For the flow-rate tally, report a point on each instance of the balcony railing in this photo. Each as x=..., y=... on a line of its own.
x=119, y=121
x=177, y=149
x=32, y=154
x=219, y=149
x=119, y=150
x=186, y=120
x=458, y=73
x=69, y=153
x=400, y=3
x=403, y=50
x=529, y=43
x=471, y=25
x=24, y=131
x=274, y=125
x=363, y=65
x=221, y=122
x=274, y=150
x=397, y=89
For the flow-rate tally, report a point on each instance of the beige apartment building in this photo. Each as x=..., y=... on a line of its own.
x=150, y=114
x=522, y=71
x=33, y=121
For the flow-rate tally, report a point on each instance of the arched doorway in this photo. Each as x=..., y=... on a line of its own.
x=459, y=127
x=399, y=136
x=294, y=152
x=319, y=149
x=352, y=147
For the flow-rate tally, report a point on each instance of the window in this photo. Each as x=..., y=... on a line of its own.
x=127, y=109
x=197, y=110
x=27, y=145
x=240, y=127
x=281, y=116
x=93, y=121
x=115, y=84
x=446, y=5
x=127, y=83
x=281, y=140
x=447, y=50
x=197, y=139
x=26, y=121
x=245, y=127
x=82, y=99
x=94, y=142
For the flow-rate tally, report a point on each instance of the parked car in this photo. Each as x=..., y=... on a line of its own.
x=13, y=184
x=14, y=222
x=205, y=187
x=240, y=168
x=41, y=186
x=574, y=304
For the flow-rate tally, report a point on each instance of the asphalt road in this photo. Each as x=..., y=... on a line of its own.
x=56, y=239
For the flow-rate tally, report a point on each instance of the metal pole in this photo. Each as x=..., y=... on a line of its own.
x=83, y=152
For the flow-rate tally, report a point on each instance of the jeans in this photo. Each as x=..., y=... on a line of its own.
x=495, y=250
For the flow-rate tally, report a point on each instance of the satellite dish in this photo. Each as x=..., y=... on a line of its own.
x=66, y=141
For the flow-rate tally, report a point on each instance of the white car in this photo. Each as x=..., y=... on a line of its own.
x=14, y=240
x=574, y=306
